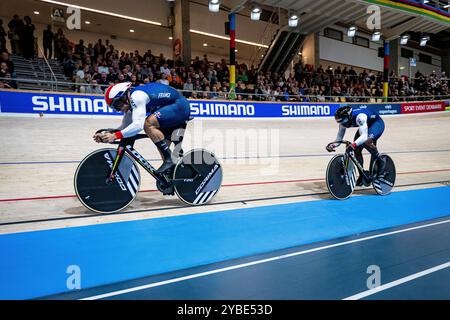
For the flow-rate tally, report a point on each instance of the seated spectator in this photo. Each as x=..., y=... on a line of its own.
x=188, y=87
x=103, y=68
x=163, y=79
x=8, y=83
x=103, y=81
x=3, y=69
x=164, y=69
x=5, y=58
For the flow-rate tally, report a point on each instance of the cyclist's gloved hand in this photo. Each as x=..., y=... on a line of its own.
x=351, y=148
x=330, y=147
x=108, y=137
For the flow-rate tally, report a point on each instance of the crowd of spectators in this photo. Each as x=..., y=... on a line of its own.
x=21, y=36
x=95, y=67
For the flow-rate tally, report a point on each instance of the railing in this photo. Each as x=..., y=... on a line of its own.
x=220, y=95
x=50, y=68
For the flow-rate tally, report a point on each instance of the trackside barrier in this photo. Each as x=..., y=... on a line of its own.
x=32, y=102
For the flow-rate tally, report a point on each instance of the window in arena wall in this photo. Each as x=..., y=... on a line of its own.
x=405, y=53
x=424, y=58
x=333, y=34
x=360, y=41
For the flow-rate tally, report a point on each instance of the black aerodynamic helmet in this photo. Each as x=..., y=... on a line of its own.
x=343, y=115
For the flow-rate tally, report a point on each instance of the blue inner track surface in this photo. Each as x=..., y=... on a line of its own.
x=34, y=264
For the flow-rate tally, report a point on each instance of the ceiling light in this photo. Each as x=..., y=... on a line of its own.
x=87, y=22
x=36, y=12
x=255, y=14
x=293, y=20
x=228, y=38
x=102, y=12
x=131, y=30
x=404, y=39
x=376, y=36
x=235, y=50
x=205, y=44
x=351, y=31
x=214, y=5
x=170, y=38
x=424, y=40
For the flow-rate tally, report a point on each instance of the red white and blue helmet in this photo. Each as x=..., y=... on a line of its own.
x=117, y=95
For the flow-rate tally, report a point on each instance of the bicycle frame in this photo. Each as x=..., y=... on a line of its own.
x=126, y=146
x=355, y=161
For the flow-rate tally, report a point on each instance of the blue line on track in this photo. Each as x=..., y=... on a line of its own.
x=34, y=264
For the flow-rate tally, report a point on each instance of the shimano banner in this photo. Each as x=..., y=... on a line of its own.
x=29, y=102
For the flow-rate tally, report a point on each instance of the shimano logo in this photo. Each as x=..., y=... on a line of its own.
x=200, y=187
x=69, y=104
x=221, y=109
x=305, y=110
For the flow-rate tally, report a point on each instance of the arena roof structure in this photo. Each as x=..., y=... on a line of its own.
x=396, y=16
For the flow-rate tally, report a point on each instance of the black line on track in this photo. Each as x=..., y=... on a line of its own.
x=233, y=158
x=444, y=182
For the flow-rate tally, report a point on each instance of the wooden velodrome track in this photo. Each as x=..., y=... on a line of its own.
x=265, y=162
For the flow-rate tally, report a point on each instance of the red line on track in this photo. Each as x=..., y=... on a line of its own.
x=225, y=185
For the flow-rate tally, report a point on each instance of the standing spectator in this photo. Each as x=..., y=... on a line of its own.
x=70, y=65
x=90, y=50
x=3, y=35
x=15, y=33
x=99, y=49
x=80, y=49
x=47, y=42
x=59, y=43
x=28, y=39
x=149, y=55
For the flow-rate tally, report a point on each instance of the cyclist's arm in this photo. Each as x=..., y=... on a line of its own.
x=139, y=100
x=361, y=120
x=340, y=135
x=126, y=120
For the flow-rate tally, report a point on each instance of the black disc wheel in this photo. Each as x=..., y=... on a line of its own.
x=341, y=182
x=384, y=182
x=92, y=188
x=197, y=177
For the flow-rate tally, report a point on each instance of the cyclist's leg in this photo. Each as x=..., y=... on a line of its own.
x=166, y=117
x=375, y=132
x=358, y=150
x=153, y=130
x=359, y=157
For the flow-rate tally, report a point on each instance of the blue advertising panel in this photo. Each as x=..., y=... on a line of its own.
x=60, y=103
x=381, y=108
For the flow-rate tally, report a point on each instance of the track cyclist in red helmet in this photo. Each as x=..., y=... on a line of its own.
x=370, y=128
x=152, y=107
